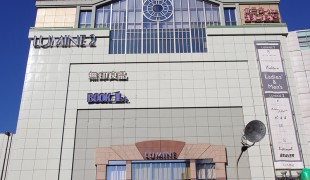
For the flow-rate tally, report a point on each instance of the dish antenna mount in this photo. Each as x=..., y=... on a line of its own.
x=254, y=132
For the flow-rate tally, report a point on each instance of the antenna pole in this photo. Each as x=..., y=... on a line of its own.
x=8, y=134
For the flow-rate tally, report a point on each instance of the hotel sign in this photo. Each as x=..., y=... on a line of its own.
x=278, y=105
x=64, y=41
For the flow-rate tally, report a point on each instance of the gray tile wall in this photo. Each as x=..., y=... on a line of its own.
x=104, y=128
x=300, y=60
x=226, y=76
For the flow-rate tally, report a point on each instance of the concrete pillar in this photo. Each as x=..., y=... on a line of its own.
x=220, y=171
x=101, y=173
x=128, y=170
x=193, y=169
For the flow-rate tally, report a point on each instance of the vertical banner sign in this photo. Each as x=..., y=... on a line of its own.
x=278, y=106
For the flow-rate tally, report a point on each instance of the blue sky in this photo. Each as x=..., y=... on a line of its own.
x=19, y=15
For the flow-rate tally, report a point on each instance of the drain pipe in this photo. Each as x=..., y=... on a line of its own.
x=8, y=134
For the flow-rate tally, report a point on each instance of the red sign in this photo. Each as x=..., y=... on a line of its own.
x=261, y=15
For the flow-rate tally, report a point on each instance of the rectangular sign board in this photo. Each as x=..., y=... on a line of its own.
x=278, y=105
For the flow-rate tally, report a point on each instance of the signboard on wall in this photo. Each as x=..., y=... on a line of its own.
x=107, y=98
x=108, y=76
x=160, y=149
x=64, y=41
x=278, y=105
x=253, y=14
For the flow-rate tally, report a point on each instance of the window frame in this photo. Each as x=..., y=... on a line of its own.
x=193, y=44
x=153, y=165
x=116, y=164
x=303, y=39
x=206, y=163
x=190, y=42
x=87, y=10
x=230, y=9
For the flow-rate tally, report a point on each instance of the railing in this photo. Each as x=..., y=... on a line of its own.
x=157, y=38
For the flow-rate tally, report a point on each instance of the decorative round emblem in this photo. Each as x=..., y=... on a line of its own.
x=157, y=10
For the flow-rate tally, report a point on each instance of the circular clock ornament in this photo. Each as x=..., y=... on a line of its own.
x=157, y=10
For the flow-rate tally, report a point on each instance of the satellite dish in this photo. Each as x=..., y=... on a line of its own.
x=255, y=131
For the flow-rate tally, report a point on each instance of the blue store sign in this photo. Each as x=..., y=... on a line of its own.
x=107, y=98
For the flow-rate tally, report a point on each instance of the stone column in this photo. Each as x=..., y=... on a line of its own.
x=101, y=172
x=220, y=171
x=128, y=170
x=193, y=169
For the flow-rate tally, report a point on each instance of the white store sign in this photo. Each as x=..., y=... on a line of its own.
x=278, y=104
x=64, y=41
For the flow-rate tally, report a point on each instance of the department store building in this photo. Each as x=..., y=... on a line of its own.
x=157, y=90
x=299, y=52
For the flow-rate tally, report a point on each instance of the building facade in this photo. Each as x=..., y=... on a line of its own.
x=299, y=51
x=157, y=89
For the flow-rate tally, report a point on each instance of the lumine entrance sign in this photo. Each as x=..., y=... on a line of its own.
x=160, y=155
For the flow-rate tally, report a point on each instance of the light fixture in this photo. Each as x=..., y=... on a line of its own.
x=254, y=132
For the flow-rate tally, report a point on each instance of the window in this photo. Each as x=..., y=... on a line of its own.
x=131, y=32
x=205, y=170
x=304, y=39
x=161, y=170
x=116, y=170
x=103, y=16
x=230, y=17
x=85, y=19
